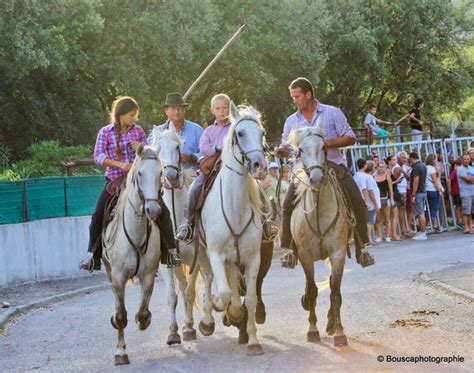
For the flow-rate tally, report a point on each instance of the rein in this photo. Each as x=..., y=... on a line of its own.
x=143, y=248
x=236, y=236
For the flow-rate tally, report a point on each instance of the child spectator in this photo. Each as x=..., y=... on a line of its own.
x=371, y=123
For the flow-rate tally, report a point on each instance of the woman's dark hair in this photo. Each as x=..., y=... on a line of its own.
x=121, y=106
x=304, y=84
x=388, y=159
x=431, y=160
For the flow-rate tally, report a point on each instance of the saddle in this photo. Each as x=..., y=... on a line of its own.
x=210, y=167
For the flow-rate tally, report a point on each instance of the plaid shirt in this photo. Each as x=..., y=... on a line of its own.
x=106, y=147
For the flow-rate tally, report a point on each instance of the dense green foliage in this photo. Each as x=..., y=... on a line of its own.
x=47, y=158
x=63, y=61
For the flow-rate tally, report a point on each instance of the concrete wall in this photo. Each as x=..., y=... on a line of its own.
x=42, y=249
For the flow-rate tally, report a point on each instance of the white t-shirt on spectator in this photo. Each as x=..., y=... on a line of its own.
x=372, y=185
x=430, y=170
x=361, y=180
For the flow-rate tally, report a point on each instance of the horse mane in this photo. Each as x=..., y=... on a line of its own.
x=246, y=112
x=297, y=136
x=157, y=134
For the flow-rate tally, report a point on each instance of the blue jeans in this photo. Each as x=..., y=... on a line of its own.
x=433, y=203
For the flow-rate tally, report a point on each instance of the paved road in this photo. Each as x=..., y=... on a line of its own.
x=386, y=311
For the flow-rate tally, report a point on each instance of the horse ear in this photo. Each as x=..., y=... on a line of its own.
x=234, y=112
x=140, y=149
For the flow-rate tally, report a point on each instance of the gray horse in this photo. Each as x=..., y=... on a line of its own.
x=321, y=226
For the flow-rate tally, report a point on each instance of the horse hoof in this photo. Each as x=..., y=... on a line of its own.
x=189, y=335
x=143, y=324
x=254, y=350
x=206, y=329
x=173, y=339
x=236, y=321
x=260, y=314
x=244, y=338
x=340, y=341
x=121, y=360
x=304, y=304
x=313, y=337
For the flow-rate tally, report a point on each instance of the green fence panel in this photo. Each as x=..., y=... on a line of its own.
x=12, y=202
x=45, y=198
x=82, y=193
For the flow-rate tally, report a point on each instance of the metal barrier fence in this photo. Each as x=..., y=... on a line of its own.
x=50, y=197
x=447, y=218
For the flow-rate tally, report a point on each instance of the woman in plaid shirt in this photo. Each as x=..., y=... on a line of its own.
x=115, y=149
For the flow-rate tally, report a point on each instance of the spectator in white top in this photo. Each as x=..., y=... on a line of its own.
x=465, y=176
x=434, y=191
x=401, y=172
x=374, y=197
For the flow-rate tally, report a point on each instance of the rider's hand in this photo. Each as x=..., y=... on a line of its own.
x=126, y=166
x=282, y=152
x=134, y=144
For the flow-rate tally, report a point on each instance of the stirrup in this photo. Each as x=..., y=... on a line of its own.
x=173, y=259
x=288, y=260
x=185, y=234
x=89, y=263
x=365, y=259
x=270, y=231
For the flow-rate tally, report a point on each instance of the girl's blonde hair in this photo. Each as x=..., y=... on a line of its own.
x=220, y=96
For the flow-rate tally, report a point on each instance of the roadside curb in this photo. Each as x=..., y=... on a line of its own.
x=24, y=308
x=451, y=290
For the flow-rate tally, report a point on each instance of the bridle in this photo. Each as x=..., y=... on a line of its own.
x=244, y=154
x=136, y=184
x=323, y=167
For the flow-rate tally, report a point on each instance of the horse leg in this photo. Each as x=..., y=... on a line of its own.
x=251, y=272
x=308, y=300
x=234, y=312
x=172, y=298
x=207, y=324
x=221, y=301
x=334, y=326
x=119, y=319
x=143, y=316
x=266, y=255
x=189, y=297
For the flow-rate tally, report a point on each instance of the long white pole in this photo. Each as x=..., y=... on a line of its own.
x=214, y=60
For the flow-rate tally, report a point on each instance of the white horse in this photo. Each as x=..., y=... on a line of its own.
x=231, y=219
x=177, y=182
x=132, y=242
x=321, y=225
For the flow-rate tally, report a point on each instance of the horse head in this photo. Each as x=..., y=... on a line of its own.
x=146, y=178
x=167, y=144
x=247, y=139
x=311, y=150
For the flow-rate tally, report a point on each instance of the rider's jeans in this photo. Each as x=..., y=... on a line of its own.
x=193, y=195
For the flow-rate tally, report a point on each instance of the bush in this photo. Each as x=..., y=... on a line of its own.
x=47, y=158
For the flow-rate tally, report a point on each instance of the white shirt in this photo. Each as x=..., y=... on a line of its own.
x=372, y=186
x=402, y=185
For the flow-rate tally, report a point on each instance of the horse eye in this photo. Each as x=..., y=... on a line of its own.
x=240, y=134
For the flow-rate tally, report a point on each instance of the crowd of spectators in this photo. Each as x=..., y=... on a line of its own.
x=405, y=194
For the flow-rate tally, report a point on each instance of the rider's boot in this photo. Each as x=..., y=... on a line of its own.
x=288, y=260
x=169, y=253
